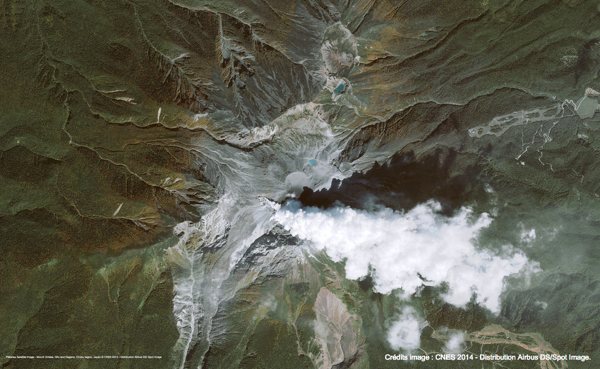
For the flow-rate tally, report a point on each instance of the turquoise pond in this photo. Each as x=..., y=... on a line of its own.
x=340, y=88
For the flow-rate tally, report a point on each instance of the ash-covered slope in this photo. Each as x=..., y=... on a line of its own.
x=124, y=120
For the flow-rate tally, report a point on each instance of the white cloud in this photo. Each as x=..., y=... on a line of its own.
x=398, y=247
x=527, y=236
x=542, y=304
x=405, y=333
x=455, y=343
